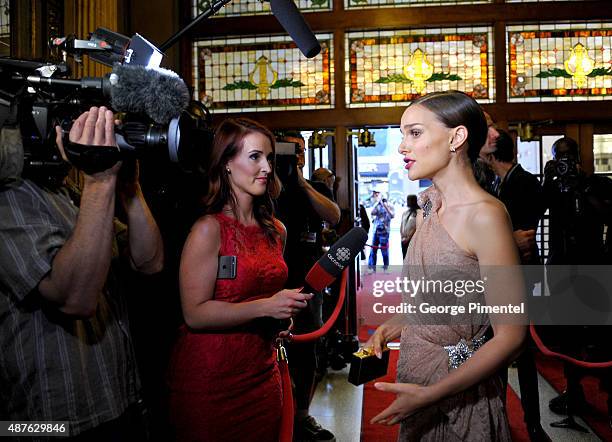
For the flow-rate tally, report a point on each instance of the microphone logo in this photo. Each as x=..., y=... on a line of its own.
x=343, y=254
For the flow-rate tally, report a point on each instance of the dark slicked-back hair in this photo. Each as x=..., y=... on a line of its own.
x=228, y=142
x=454, y=108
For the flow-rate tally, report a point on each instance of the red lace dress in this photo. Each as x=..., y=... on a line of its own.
x=225, y=385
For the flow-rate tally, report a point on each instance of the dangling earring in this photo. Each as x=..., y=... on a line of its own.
x=453, y=149
x=229, y=172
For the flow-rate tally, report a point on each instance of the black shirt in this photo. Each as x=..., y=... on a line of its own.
x=304, y=226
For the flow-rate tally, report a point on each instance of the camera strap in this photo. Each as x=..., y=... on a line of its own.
x=91, y=159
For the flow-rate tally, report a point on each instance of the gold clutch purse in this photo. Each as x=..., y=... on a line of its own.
x=365, y=366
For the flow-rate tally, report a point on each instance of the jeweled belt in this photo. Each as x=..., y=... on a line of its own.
x=462, y=351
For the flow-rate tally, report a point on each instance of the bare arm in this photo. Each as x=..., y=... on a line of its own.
x=389, y=208
x=490, y=238
x=146, y=247
x=197, y=278
x=325, y=208
x=79, y=270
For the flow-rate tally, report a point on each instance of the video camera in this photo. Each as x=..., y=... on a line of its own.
x=158, y=120
x=564, y=172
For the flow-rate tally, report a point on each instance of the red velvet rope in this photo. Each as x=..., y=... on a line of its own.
x=331, y=320
x=286, y=429
x=548, y=352
x=378, y=247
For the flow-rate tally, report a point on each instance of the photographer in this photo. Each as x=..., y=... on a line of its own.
x=579, y=208
x=577, y=204
x=67, y=354
x=382, y=213
x=303, y=207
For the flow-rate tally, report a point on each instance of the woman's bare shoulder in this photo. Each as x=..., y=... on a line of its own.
x=206, y=227
x=488, y=216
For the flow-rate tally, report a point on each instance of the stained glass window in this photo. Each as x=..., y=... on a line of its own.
x=361, y=4
x=257, y=7
x=560, y=62
x=386, y=68
x=262, y=73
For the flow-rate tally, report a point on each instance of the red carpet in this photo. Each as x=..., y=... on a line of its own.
x=514, y=409
x=552, y=371
x=375, y=401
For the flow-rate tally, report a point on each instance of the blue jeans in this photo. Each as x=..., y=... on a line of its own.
x=380, y=241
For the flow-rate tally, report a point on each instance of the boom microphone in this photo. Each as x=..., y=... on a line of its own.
x=334, y=261
x=287, y=13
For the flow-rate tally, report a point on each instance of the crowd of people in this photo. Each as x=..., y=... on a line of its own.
x=68, y=352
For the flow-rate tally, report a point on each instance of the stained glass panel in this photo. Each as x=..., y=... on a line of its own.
x=387, y=68
x=257, y=7
x=560, y=62
x=362, y=4
x=262, y=73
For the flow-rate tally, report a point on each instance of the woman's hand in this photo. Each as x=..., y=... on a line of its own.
x=285, y=304
x=410, y=398
x=383, y=334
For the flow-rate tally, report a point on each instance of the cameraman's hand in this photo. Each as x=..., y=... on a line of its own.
x=300, y=178
x=550, y=168
x=96, y=127
x=285, y=304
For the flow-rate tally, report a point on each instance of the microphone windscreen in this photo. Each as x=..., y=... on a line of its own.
x=159, y=93
x=334, y=261
x=287, y=13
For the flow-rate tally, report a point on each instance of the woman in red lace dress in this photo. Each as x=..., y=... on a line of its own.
x=224, y=380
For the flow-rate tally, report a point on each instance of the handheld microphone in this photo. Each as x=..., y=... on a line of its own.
x=288, y=15
x=329, y=267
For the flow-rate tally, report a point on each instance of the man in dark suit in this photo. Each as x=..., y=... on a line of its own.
x=522, y=194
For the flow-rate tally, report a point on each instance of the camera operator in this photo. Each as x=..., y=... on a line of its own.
x=303, y=207
x=382, y=213
x=67, y=353
x=579, y=208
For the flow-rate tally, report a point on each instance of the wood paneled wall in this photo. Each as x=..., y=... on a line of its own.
x=83, y=17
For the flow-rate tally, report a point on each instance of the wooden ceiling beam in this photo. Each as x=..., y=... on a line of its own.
x=582, y=111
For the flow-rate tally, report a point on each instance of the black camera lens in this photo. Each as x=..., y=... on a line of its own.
x=562, y=167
